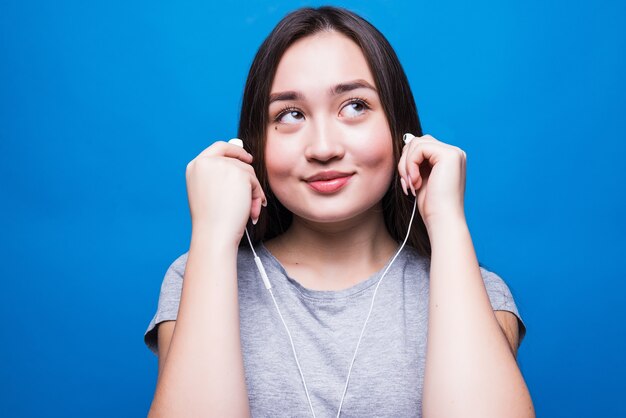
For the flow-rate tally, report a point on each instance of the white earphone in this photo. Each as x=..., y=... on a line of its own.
x=236, y=141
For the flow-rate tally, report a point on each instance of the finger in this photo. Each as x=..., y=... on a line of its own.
x=258, y=200
x=403, y=184
x=224, y=149
x=243, y=166
x=255, y=210
x=404, y=178
x=257, y=195
x=257, y=191
x=402, y=171
x=413, y=178
x=428, y=139
x=424, y=157
x=422, y=153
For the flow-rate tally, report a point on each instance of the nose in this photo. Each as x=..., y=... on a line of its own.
x=324, y=144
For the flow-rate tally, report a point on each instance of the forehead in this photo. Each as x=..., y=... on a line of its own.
x=320, y=61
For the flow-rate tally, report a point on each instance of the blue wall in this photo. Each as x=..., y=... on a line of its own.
x=102, y=104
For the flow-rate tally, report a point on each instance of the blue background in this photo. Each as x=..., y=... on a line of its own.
x=102, y=104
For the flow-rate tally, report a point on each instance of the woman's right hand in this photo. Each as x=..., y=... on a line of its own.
x=223, y=191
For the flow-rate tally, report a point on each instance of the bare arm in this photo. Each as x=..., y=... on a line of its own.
x=202, y=373
x=471, y=369
x=164, y=332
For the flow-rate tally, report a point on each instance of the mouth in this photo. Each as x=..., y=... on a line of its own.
x=328, y=182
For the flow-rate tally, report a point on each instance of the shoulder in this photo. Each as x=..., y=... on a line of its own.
x=178, y=265
x=499, y=292
x=505, y=308
x=415, y=261
x=500, y=295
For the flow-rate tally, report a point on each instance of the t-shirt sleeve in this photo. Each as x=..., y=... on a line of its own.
x=501, y=298
x=169, y=298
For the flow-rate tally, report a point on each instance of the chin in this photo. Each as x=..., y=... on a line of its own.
x=334, y=212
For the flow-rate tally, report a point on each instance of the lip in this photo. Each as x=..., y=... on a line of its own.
x=327, y=182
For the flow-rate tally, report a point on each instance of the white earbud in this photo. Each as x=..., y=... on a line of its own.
x=407, y=138
x=236, y=141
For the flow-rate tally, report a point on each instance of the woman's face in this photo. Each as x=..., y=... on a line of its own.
x=328, y=153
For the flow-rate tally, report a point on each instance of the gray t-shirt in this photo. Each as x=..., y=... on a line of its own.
x=388, y=374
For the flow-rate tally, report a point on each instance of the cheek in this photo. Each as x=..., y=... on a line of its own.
x=278, y=164
x=376, y=150
x=378, y=155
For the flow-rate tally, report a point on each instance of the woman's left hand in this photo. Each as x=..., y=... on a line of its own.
x=435, y=173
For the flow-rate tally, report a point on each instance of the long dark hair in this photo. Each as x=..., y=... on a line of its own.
x=394, y=92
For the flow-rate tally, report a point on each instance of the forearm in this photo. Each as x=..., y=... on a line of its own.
x=203, y=373
x=470, y=370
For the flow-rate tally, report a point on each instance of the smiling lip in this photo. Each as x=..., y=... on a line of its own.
x=328, y=181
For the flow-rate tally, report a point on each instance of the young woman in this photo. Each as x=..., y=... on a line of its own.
x=355, y=323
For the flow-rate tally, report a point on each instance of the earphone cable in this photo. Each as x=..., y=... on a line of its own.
x=293, y=348
x=345, y=389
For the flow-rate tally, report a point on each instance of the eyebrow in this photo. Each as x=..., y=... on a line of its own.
x=334, y=91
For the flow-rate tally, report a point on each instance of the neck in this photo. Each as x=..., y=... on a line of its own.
x=332, y=256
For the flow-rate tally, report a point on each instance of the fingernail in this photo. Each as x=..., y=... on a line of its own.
x=412, y=187
x=403, y=182
x=254, y=221
x=264, y=203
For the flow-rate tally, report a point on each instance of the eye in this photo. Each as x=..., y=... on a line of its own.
x=289, y=115
x=354, y=108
